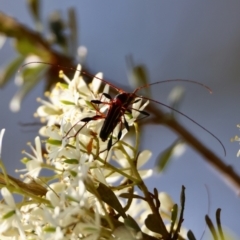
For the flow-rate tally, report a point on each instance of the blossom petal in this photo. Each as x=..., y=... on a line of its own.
x=1, y=138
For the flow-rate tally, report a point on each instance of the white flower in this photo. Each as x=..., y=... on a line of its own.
x=139, y=107
x=73, y=103
x=35, y=160
x=142, y=159
x=10, y=216
x=80, y=161
x=166, y=201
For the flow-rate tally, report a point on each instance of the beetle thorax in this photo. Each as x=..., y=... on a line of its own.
x=125, y=99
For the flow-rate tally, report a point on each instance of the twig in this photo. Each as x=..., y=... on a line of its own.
x=228, y=173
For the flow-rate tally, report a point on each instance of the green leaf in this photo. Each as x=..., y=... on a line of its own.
x=182, y=200
x=72, y=22
x=34, y=9
x=54, y=142
x=9, y=214
x=123, y=233
x=27, y=47
x=164, y=158
x=173, y=217
x=219, y=225
x=26, y=41
x=152, y=223
x=31, y=76
x=176, y=97
x=71, y=161
x=138, y=75
x=24, y=47
x=49, y=229
x=109, y=197
x=63, y=85
x=174, y=213
x=130, y=222
x=67, y=102
x=190, y=235
x=10, y=70
x=25, y=160
x=211, y=227
x=57, y=27
x=51, y=111
x=31, y=71
x=73, y=173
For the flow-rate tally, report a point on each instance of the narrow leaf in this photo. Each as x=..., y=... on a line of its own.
x=54, y=142
x=218, y=219
x=182, y=200
x=211, y=227
x=49, y=229
x=71, y=161
x=123, y=233
x=31, y=76
x=34, y=8
x=138, y=75
x=175, y=97
x=109, y=197
x=72, y=23
x=173, y=217
x=9, y=214
x=130, y=222
x=157, y=201
x=10, y=70
x=152, y=223
x=164, y=158
x=66, y=102
x=190, y=235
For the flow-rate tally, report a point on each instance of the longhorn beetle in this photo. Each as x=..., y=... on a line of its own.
x=121, y=104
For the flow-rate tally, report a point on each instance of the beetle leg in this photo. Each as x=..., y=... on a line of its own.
x=146, y=114
x=98, y=102
x=125, y=123
x=107, y=96
x=109, y=145
x=86, y=121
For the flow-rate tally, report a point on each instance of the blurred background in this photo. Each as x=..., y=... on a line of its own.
x=198, y=40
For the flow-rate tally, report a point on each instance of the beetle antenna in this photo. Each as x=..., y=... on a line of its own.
x=174, y=80
x=70, y=68
x=175, y=110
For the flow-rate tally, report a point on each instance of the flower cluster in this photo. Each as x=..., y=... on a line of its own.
x=80, y=200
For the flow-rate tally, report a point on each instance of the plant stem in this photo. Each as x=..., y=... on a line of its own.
x=227, y=172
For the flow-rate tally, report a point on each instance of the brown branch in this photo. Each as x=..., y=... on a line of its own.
x=23, y=35
x=29, y=42
x=10, y=27
x=33, y=187
x=228, y=173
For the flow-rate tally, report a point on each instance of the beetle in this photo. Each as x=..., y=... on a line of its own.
x=122, y=104
x=117, y=108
